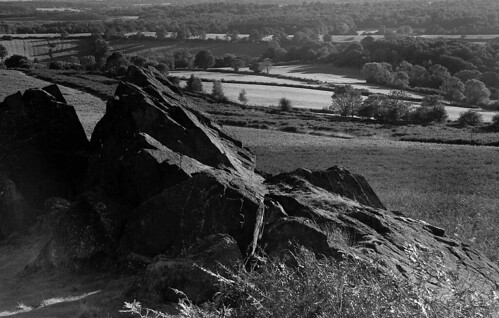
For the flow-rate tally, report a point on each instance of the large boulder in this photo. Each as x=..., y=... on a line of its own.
x=330, y=218
x=147, y=113
x=43, y=153
x=162, y=174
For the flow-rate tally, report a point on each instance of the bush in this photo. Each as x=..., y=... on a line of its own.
x=17, y=61
x=428, y=115
x=194, y=84
x=470, y=118
x=285, y=104
x=57, y=65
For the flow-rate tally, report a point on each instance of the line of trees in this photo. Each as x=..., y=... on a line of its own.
x=393, y=108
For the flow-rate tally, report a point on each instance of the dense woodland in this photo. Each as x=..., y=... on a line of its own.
x=438, y=17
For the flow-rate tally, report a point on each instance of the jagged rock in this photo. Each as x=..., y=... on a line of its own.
x=174, y=174
x=42, y=152
x=334, y=180
x=212, y=201
x=339, y=225
x=186, y=273
x=151, y=131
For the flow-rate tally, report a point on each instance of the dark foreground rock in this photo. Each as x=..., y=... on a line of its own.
x=43, y=154
x=161, y=187
x=162, y=174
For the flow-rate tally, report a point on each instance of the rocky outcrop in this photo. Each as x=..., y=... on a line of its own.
x=162, y=188
x=340, y=218
x=42, y=154
x=161, y=175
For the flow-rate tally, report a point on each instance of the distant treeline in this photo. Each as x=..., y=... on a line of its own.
x=260, y=19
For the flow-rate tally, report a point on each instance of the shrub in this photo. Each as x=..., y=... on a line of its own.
x=285, y=104
x=57, y=65
x=431, y=111
x=194, y=84
x=17, y=61
x=428, y=115
x=470, y=118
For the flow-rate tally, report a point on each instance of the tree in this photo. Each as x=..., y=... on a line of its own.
x=475, y=92
x=116, y=63
x=401, y=79
x=194, y=84
x=267, y=65
x=99, y=46
x=217, y=92
x=204, y=59
x=418, y=76
x=182, y=58
x=161, y=34
x=379, y=73
x=237, y=64
x=470, y=118
x=346, y=100
x=285, y=104
x=465, y=75
x=256, y=67
x=242, y=97
x=431, y=111
x=3, y=52
x=453, y=88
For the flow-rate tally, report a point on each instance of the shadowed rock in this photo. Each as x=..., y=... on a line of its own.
x=174, y=173
x=42, y=152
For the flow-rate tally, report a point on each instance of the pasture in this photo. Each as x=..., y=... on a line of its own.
x=267, y=95
x=452, y=186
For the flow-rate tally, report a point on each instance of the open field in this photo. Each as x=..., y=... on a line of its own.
x=264, y=95
x=449, y=185
x=239, y=77
x=39, y=48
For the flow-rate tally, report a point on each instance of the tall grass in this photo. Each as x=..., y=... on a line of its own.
x=320, y=287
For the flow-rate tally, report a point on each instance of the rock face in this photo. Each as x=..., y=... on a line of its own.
x=42, y=154
x=162, y=186
x=331, y=214
x=161, y=175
